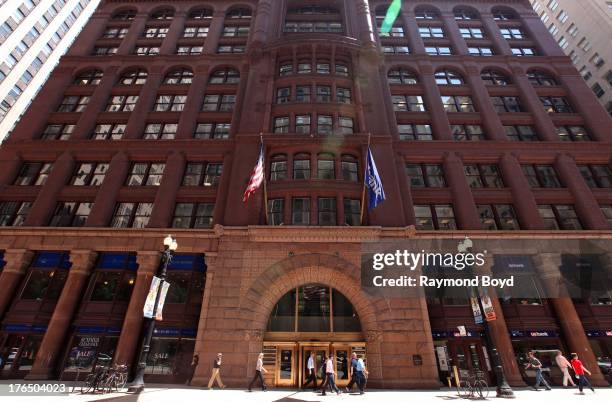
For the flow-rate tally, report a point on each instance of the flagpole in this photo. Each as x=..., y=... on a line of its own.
x=363, y=191
x=265, y=178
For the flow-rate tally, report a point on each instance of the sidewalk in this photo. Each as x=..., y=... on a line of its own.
x=161, y=393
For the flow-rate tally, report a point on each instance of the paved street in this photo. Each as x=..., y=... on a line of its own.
x=161, y=393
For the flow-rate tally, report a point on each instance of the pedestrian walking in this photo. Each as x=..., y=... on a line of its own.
x=192, y=368
x=323, y=376
x=312, y=372
x=353, y=366
x=581, y=372
x=362, y=375
x=331, y=376
x=534, y=363
x=564, y=365
x=259, y=367
x=216, y=373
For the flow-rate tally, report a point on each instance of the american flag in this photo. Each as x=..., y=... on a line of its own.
x=257, y=177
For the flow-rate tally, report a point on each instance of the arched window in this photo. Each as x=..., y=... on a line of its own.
x=493, y=77
x=504, y=14
x=314, y=308
x=89, y=77
x=225, y=76
x=125, y=15
x=239, y=13
x=301, y=166
x=163, y=14
x=180, y=76
x=402, y=76
x=350, y=168
x=448, y=77
x=426, y=14
x=313, y=9
x=541, y=78
x=278, y=167
x=465, y=14
x=326, y=166
x=133, y=77
x=201, y=14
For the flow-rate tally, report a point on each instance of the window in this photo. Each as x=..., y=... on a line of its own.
x=300, y=211
x=464, y=14
x=352, y=212
x=415, y=132
x=132, y=215
x=521, y=133
x=202, y=174
x=146, y=174
x=556, y=104
x=424, y=175
x=426, y=14
x=302, y=94
x=108, y=132
x=91, y=77
x=155, y=32
x=112, y=285
x=217, y=131
x=160, y=131
x=304, y=67
x=235, y=31
x=458, y=104
x=283, y=95
x=559, y=217
x=302, y=124
x=122, y=103
x=498, y=217
x=169, y=103
x=467, y=132
x=305, y=26
x=71, y=214
x=327, y=211
x=285, y=69
x=179, y=77
x=349, y=167
x=57, y=132
x=301, y=166
x=512, y=33
x=596, y=176
x=395, y=49
x=14, y=213
x=89, y=174
x=326, y=167
x=146, y=51
x=447, y=77
x=346, y=125
x=472, y=33
x=541, y=176
x=540, y=78
x=407, y=103
x=396, y=32
x=104, y=51
x=492, y=77
x=201, y=14
x=33, y=174
x=483, y=176
x=225, y=76
x=281, y=124
x=189, y=50
x=324, y=125
x=402, y=77
x=278, y=168
x=133, y=77
x=573, y=133
x=44, y=284
x=163, y=14
x=73, y=103
x=523, y=51
x=435, y=217
x=276, y=212
x=219, y=103
x=343, y=95
x=503, y=15
x=507, y=104
x=438, y=50
x=480, y=51
x=605, y=209
x=431, y=32
x=231, y=49
x=239, y=13
x=323, y=67
x=195, y=216
x=126, y=15
x=598, y=90
x=195, y=32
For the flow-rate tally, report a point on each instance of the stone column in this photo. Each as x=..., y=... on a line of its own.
x=538, y=32
x=412, y=31
x=17, y=262
x=174, y=33
x=104, y=203
x=134, y=32
x=366, y=30
x=585, y=202
x=67, y=304
x=195, y=98
x=454, y=34
x=161, y=216
x=439, y=119
x=463, y=199
x=10, y=165
x=547, y=265
x=92, y=31
x=128, y=347
x=492, y=32
x=46, y=201
x=543, y=123
x=263, y=22
x=146, y=99
x=493, y=126
x=214, y=32
x=524, y=200
x=97, y=103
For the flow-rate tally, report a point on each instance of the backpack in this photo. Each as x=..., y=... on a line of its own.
x=360, y=365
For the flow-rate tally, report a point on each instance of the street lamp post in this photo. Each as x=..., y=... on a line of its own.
x=170, y=246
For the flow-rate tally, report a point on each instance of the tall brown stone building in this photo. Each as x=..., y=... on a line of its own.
x=151, y=124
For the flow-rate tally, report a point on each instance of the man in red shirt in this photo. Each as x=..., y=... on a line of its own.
x=580, y=371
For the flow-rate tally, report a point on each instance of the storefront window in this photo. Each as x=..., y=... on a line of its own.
x=170, y=356
x=88, y=351
x=525, y=285
x=111, y=286
x=44, y=284
x=282, y=318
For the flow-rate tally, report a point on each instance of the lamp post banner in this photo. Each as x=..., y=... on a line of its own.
x=149, y=305
x=162, y=299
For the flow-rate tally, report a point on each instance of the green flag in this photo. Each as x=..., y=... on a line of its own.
x=392, y=13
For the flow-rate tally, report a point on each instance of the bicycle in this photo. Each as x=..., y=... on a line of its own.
x=474, y=387
x=95, y=381
x=116, y=379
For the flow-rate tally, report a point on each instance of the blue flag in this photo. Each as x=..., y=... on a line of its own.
x=376, y=193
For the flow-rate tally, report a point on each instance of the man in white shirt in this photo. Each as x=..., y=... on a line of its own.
x=331, y=376
x=564, y=366
x=258, y=376
x=312, y=372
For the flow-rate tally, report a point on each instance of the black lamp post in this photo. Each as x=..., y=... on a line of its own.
x=138, y=385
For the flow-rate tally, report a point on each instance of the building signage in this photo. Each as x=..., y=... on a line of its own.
x=162, y=300
x=487, y=306
x=442, y=360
